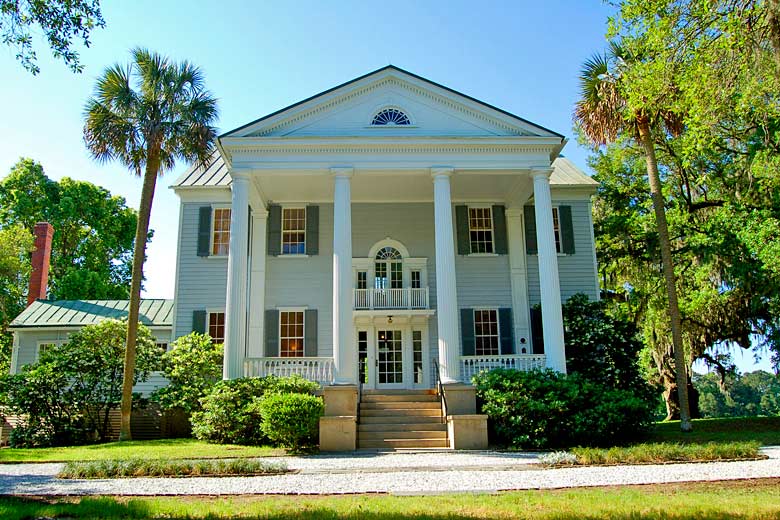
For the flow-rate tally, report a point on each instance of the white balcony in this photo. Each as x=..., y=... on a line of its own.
x=319, y=369
x=472, y=365
x=406, y=298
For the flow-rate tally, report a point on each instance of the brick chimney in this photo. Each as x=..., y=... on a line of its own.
x=39, y=277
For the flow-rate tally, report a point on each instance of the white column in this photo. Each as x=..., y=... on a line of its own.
x=344, y=353
x=446, y=290
x=236, y=305
x=518, y=277
x=256, y=315
x=552, y=317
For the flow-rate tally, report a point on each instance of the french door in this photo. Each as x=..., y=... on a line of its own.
x=389, y=359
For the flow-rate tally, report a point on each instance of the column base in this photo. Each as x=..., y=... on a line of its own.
x=338, y=433
x=467, y=432
x=461, y=399
x=340, y=400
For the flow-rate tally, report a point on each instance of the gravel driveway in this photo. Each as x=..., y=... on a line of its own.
x=397, y=473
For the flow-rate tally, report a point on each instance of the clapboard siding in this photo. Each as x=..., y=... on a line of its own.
x=202, y=281
x=577, y=272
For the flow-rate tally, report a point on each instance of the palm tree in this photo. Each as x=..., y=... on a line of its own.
x=147, y=115
x=603, y=114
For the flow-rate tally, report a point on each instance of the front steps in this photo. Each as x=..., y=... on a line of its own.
x=401, y=419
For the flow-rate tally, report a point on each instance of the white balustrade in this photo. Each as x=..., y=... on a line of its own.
x=405, y=298
x=472, y=365
x=319, y=369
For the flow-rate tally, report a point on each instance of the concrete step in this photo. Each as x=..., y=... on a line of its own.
x=429, y=391
x=437, y=426
x=403, y=443
x=400, y=419
x=400, y=405
x=405, y=412
x=408, y=434
x=398, y=398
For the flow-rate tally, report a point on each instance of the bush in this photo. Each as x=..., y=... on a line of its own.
x=545, y=409
x=169, y=468
x=294, y=384
x=192, y=366
x=291, y=420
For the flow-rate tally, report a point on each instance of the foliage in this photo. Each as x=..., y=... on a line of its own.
x=192, y=366
x=15, y=245
x=291, y=419
x=60, y=21
x=658, y=453
x=738, y=395
x=66, y=396
x=546, y=409
x=764, y=430
x=294, y=384
x=169, y=468
x=558, y=458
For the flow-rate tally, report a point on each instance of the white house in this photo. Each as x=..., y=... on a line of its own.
x=384, y=234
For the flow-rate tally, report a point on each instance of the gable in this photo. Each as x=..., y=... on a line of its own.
x=433, y=110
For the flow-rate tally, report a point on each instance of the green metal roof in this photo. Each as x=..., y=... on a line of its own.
x=77, y=313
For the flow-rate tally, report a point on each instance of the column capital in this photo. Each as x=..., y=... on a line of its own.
x=342, y=171
x=438, y=171
x=541, y=172
x=240, y=174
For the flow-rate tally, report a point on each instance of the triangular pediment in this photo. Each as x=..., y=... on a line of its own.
x=431, y=109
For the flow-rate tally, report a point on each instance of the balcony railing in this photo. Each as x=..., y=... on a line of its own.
x=319, y=369
x=406, y=298
x=472, y=365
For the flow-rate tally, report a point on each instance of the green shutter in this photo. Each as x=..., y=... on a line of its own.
x=537, y=334
x=204, y=231
x=310, y=330
x=271, y=333
x=566, y=230
x=467, y=331
x=506, y=330
x=529, y=222
x=274, y=230
x=499, y=230
x=462, y=228
x=199, y=321
x=312, y=230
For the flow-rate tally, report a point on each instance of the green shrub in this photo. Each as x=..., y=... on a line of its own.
x=668, y=452
x=294, y=384
x=169, y=468
x=291, y=420
x=545, y=409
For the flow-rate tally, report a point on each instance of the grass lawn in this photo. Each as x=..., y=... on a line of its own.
x=157, y=449
x=744, y=500
x=764, y=430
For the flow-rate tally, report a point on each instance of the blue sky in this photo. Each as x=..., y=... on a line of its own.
x=258, y=57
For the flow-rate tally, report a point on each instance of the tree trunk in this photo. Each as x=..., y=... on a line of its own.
x=139, y=256
x=656, y=191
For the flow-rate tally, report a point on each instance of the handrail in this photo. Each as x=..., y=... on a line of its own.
x=440, y=389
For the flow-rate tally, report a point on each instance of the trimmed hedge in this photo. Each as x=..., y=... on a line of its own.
x=292, y=420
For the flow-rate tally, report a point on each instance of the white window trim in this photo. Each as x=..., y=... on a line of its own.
x=279, y=328
x=469, y=207
x=558, y=253
x=498, y=328
x=54, y=342
x=215, y=207
x=305, y=253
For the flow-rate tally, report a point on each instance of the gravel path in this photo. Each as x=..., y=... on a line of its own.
x=396, y=473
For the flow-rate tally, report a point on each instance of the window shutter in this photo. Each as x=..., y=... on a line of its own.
x=499, y=230
x=199, y=321
x=462, y=228
x=274, y=230
x=529, y=222
x=310, y=327
x=271, y=333
x=312, y=230
x=567, y=230
x=537, y=334
x=204, y=231
x=506, y=330
x=467, y=331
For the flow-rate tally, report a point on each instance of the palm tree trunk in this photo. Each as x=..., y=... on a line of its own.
x=656, y=191
x=139, y=255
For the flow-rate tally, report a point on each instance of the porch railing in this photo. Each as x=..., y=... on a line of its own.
x=405, y=298
x=472, y=365
x=319, y=369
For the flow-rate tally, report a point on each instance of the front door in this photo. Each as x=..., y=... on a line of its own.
x=389, y=359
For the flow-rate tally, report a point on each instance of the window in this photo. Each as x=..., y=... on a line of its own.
x=416, y=281
x=486, y=332
x=557, y=230
x=363, y=356
x=390, y=117
x=217, y=327
x=44, y=347
x=162, y=346
x=291, y=334
x=388, y=269
x=417, y=356
x=293, y=231
x=220, y=232
x=362, y=280
x=481, y=230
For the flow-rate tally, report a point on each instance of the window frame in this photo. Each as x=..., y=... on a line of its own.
x=282, y=232
x=52, y=342
x=474, y=311
x=556, y=216
x=488, y=207
x=209, y=312
x=214, y=208
x=302, y=311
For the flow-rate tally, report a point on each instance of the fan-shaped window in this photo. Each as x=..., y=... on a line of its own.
x=388, y=253
x=390, y=116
